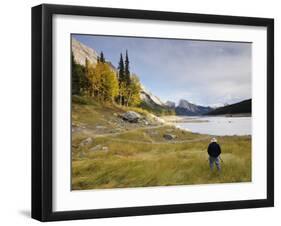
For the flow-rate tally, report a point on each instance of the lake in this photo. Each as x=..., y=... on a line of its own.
x=215, y=125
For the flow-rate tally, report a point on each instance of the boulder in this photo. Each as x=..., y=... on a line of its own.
x=168, y=136
x=87, y=141
x=131, y=116
x=105, y=148
x=96, y=148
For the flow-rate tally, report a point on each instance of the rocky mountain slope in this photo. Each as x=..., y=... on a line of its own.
x=149, y=98
x=186, y=108
x=81, y=52
x=153, y=103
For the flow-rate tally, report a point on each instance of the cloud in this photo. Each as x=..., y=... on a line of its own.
x=202, y=72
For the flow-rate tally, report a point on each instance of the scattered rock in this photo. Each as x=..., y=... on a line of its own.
x=81, y=155
x=115, y=114
x=87, y=141
x=75, y=127
x=131, y=116
x=168, y=136
x=95, y=148
x=99, y=148
x=100, y=127
x=145, y=122
x=105, y=148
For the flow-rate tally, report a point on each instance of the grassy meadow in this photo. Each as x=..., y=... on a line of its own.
x=108, y=152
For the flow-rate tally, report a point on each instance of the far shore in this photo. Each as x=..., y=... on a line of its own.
x=199, y=118
x=238, y=115
x=180, y=119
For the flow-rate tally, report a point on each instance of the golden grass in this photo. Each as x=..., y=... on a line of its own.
x=141, y=157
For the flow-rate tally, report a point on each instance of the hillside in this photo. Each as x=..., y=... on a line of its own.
x=108, y=152
x=237, y=108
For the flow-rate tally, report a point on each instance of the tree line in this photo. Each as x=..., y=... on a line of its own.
x=101, y=82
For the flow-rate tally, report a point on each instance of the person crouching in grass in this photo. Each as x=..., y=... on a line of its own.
x=214, y=151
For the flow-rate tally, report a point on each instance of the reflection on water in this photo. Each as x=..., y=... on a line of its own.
x=217, y=125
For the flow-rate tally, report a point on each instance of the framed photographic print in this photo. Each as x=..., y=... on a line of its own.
x=145, y=112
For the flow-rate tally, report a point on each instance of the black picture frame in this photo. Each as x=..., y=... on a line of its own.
x=42, y=107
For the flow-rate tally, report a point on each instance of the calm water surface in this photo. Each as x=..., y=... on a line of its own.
x=217, y=125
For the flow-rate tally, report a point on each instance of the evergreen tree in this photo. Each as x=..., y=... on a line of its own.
x=86, y=82
x=121, y=80
x=75, y=77
x=121, y=69
x=127, y=70
x=102, y=59
x=79, y=80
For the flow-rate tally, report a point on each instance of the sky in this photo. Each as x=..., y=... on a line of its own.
x=207, y=73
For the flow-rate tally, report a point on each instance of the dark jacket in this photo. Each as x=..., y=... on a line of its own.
x=214, y=149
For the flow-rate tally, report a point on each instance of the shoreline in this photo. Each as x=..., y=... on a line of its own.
x=189, y=122
x=180, y=119
x=198, y=118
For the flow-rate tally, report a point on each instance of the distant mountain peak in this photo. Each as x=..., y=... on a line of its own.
x=186, y=108
x=183, y=103
x=170, y=104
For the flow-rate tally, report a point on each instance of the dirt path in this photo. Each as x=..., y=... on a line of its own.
x=112, y=135
x=157, y=142
x=127, y=131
